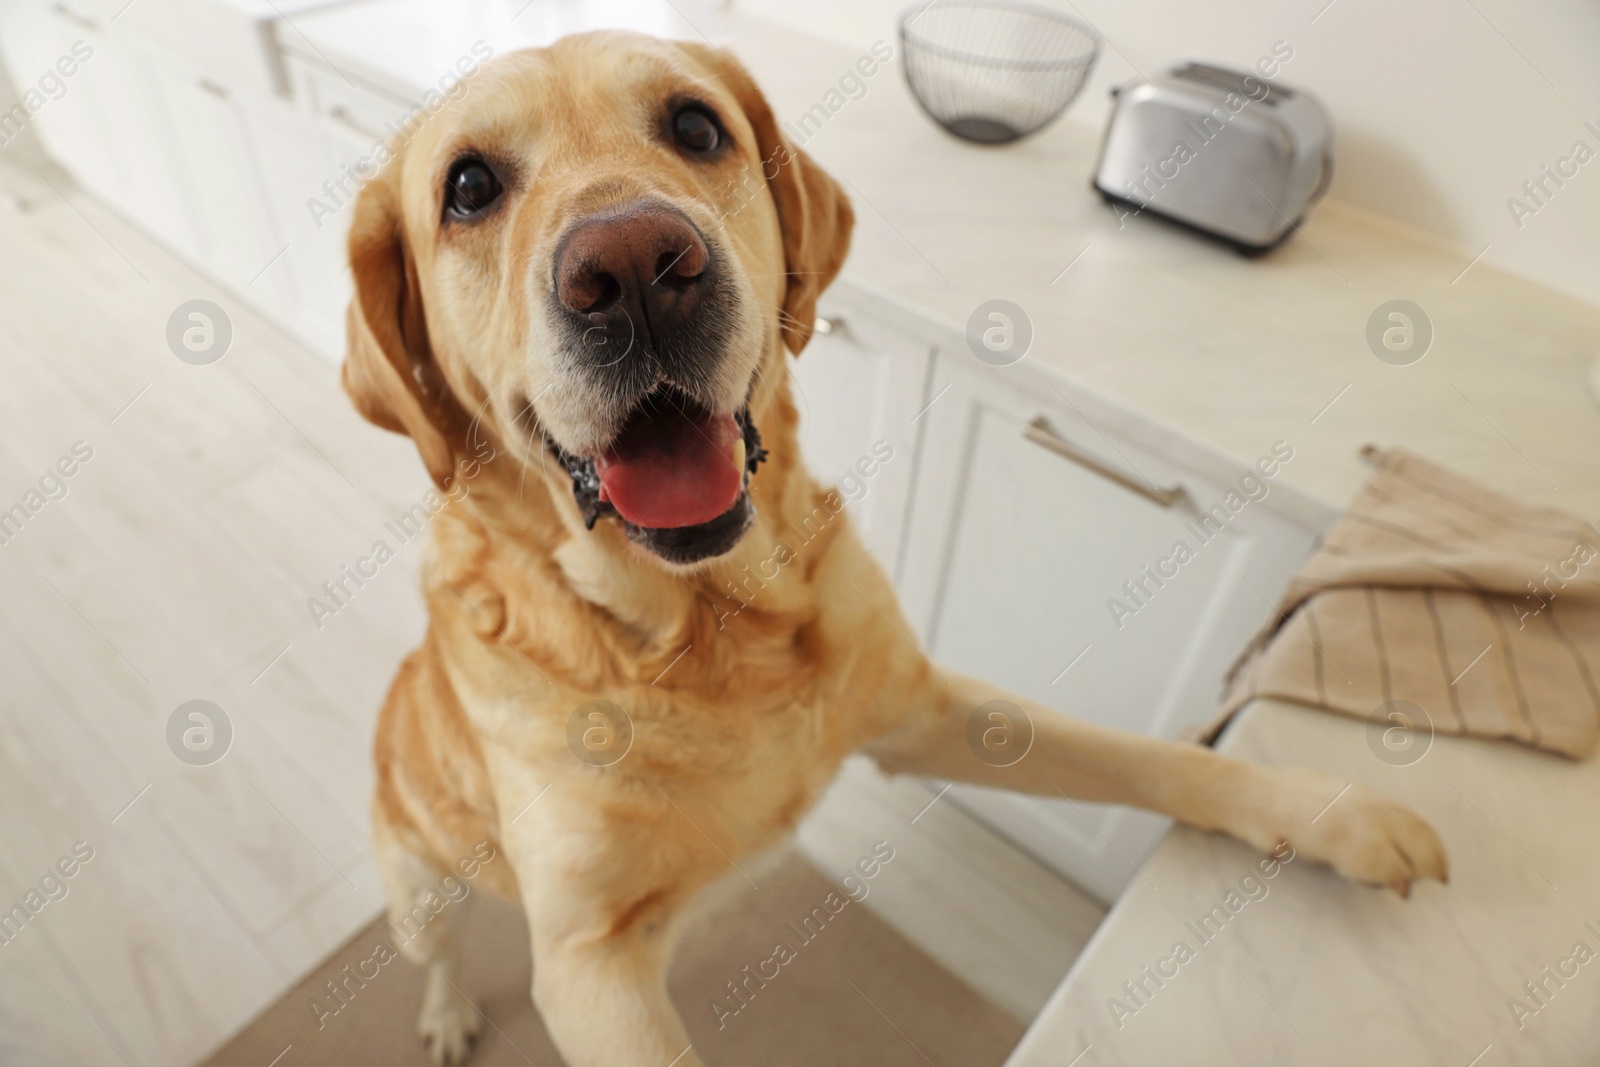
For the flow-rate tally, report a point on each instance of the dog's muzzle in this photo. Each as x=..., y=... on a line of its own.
x=638, y=291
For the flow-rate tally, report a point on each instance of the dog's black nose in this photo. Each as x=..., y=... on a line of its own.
x=639, y=272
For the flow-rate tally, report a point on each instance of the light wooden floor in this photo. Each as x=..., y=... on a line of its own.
x=178, y=567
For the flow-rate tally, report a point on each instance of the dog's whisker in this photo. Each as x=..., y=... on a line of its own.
x=544, y=462
x=522, y=475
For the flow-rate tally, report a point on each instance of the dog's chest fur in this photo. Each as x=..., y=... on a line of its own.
x=738, y=720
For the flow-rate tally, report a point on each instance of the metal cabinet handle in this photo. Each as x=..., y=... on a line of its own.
x=1039, y=432
x=829, y=324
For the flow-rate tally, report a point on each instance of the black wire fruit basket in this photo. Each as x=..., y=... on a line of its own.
x=994, y=72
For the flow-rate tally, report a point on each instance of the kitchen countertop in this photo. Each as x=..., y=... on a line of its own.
x=1318, y=971
x=1232, y=353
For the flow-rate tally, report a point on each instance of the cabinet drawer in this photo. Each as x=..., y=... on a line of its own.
x=1080, y=569
x=229, y=43
x=370, y=113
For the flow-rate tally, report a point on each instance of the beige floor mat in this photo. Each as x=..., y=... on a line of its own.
x=856, y=993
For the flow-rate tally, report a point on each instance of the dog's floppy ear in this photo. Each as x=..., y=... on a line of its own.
x=813, y=210
x=388, y=371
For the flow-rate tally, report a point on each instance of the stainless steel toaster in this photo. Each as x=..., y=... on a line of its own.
x=1228, y=152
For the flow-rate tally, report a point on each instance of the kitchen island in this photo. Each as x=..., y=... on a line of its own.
x=1166, y=342
x=1161, y=357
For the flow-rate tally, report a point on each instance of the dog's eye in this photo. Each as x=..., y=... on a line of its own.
x=470, y=188
x=695, y=129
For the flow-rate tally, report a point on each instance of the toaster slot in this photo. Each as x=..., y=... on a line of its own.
x=1232, y=81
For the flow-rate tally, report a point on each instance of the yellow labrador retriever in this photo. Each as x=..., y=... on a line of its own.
x=575, y=289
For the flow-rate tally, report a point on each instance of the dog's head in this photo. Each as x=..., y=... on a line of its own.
x=597, y=253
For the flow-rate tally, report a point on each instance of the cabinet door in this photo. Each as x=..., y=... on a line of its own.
x=224, y=179
x=72, y=129
x=1015, y=556
x=858, y=388
x=104, y=122
x=315, y=155
x=299, y=153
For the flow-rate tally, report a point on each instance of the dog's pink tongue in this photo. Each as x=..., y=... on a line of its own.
x=672, y=469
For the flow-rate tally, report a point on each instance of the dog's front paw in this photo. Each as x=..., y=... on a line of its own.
x=449, y=1025
x=1362, y=834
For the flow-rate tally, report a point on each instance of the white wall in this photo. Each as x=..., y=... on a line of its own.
x=1444, y=108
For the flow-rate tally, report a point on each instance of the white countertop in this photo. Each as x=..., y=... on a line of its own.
x=1232, y=351
x=1344, y=974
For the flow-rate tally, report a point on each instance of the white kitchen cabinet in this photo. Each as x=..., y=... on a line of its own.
x=310, y=153
x=858, y=387
x=1015, y=550
x=106, y=124
x=193, y=146
x=76, y=129
x=225, y=190
x=299, y=153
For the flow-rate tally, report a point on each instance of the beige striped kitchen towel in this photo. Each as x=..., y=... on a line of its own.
x=1482, y=611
